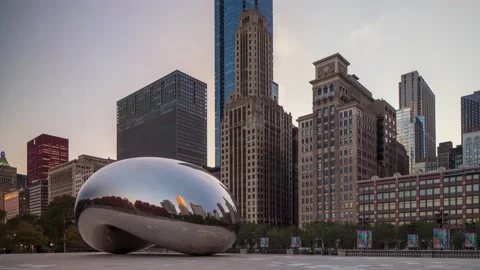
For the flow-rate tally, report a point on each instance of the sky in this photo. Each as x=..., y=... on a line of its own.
x=64, y=64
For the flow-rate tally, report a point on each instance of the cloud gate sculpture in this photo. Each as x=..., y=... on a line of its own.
x=137, y=203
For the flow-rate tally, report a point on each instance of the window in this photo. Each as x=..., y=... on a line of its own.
x=332, y=87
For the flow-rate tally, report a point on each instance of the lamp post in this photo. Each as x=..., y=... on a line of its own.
x=64, y=234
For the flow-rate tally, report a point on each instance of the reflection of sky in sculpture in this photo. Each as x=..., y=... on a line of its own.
x=144, y=180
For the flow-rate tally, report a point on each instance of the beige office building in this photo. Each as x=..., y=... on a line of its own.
x=68, y=178
x=349, y=137
x=256, y=134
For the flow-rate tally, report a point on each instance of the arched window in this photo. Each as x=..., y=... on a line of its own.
x=319, y=91
x=325, y=89
x=332, y=87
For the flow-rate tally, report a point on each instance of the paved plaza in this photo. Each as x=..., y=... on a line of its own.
x=139, y=261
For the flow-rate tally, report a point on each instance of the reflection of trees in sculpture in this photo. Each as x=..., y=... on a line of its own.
x=166, y=209
x=145, y=207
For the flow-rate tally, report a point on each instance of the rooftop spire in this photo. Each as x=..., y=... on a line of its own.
x=3, y=160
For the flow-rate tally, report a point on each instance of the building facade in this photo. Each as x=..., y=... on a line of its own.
x=38, y=197
x=427, y=165
x=275, y=92
x=8, y=175
x=404, y=199
x=449, y=157
x=295, y=174
x=45, y=152
x=345, y=140
x=68, y=178
x=215, y=171
x=21, y=181
x=167, y=118
x=256, y=133
x=471, y=148
x=16, y=203
x=227, y=13
x=415, y=93
x=410, y=133
x=471, y=112
x=386, y=137
x=403, y=166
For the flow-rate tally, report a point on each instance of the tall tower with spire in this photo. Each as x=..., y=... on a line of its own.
x=256, y=133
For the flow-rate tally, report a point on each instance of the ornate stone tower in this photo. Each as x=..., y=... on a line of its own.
x=256, y=134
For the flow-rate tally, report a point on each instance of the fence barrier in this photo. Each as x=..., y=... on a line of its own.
x=457, y=254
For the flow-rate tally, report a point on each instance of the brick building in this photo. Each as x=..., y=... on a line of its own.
x=349, y=137
x=45, y=152
x=404, y=199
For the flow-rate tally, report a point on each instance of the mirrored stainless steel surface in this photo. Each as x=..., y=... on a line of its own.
x=136, y=203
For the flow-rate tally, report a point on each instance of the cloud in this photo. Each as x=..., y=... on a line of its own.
x=285, y=43
x=367, y=38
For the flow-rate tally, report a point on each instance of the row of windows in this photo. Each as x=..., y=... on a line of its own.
x=325, y=89
x=423, y=182
x=458, y=201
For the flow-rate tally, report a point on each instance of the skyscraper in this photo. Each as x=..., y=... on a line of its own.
x=227, y=13
x=471, y=148
x=348, y=137
x=449, y=157
x=167, y=118
x=471, y=112
x=415, y=93
x=411, y=134
x=256, y=133
x=43, y=153
x=38, y=197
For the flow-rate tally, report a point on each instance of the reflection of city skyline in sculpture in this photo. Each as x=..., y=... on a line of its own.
x=198, y=210
x=169, y=206
x=132, y=226
x=182, y=205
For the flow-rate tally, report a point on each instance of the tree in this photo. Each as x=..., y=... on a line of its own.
x=3, y=234
x=246, y=235
x=25, y=234
x=279, y=238
x=457, y=239
x=348, y=237
x=59, y=216
x=383, y=234
x=308, y=235
x=402, y=235
x=74, y=239
x=326, y=232
x=3, y=214
x=425, y=233
x=260, y=231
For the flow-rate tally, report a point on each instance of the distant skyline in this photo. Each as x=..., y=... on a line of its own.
x=64, y=64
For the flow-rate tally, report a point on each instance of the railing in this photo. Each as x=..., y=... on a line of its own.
x=301, y=251
x=464, y=254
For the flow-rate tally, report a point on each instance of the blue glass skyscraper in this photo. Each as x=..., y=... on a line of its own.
x=227, y=13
